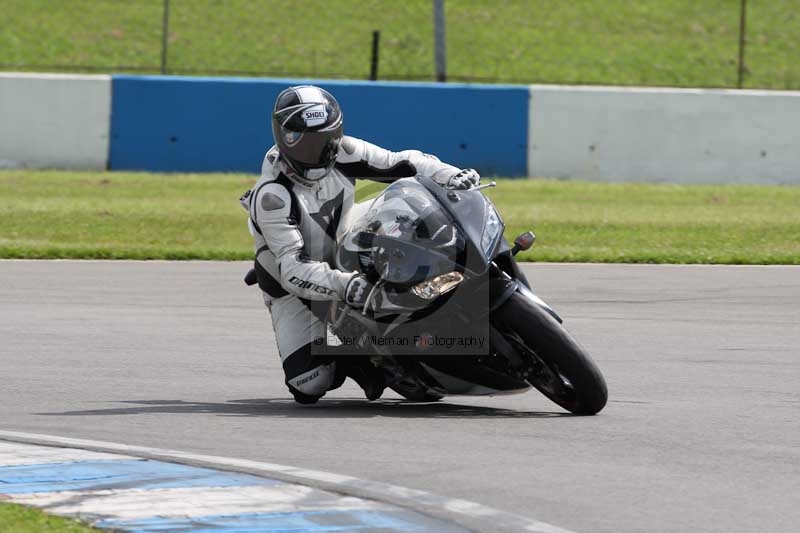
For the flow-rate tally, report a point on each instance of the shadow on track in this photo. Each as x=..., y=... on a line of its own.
x=333, y=408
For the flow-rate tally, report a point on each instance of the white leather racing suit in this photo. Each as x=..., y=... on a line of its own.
x=294, y=224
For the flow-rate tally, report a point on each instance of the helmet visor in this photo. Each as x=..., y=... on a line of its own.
x=311, y=149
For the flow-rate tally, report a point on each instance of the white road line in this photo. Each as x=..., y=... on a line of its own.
x=471, y=515
x=131, y=504
x=12, y=455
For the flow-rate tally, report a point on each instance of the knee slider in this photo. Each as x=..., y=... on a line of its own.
x=304, y=399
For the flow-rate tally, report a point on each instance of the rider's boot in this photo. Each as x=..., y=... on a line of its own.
x=368, y=376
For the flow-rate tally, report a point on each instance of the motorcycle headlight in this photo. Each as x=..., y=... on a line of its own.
x=492, y=231
x=428, y=290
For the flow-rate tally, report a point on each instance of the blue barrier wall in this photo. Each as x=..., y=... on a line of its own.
x=187, y=124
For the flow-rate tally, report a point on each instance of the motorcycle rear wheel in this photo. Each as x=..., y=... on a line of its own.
x=563, y=371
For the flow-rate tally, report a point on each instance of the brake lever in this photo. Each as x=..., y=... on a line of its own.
x=481, y=187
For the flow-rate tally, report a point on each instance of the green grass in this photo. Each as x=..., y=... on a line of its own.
x=116, y=215
x=19, y=519
x=647, y=223
x=623, y=42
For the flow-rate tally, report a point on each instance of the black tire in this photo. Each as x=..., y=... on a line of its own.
x=571, y=379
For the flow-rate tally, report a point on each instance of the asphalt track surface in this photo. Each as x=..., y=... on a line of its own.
x=701, y=432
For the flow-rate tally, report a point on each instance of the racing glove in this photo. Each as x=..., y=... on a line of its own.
x=357, y=290
x=465, y=179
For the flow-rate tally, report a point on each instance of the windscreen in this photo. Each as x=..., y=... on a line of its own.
x=407, y=211
x=411, y=227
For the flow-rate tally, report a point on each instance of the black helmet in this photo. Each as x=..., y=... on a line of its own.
x=307, y=126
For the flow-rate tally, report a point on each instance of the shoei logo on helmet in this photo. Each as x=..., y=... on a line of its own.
x=315, y=116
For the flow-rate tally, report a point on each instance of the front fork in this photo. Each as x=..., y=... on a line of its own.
x=502, y=286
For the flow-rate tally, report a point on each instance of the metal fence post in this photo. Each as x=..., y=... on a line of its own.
x=742, y=31
x=373, y=71
x=440, y=46
x=164, y=37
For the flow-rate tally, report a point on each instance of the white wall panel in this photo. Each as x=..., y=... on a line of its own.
x=664, y=135
x=54, y=121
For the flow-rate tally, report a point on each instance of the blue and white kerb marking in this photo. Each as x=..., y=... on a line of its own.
x=133, y=494
x=135, y=488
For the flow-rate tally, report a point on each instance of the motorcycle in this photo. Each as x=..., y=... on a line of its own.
x=442, y=268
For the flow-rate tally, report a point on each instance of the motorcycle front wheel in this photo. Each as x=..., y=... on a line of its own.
x=561, y=369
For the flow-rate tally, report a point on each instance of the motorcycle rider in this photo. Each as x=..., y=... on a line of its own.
x=307, y=183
